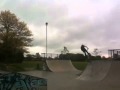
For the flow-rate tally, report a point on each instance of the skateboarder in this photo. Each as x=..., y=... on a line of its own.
x=84, y=49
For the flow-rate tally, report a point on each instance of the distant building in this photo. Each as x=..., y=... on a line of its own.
x=114, y=54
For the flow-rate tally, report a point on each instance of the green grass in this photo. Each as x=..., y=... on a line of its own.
x=34, y=65
x=31, y=64
x=26, y=65
x=80, y=65
x=11, y=67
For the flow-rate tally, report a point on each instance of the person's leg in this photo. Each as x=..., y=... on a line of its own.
x=84, y=51
x=85, y=54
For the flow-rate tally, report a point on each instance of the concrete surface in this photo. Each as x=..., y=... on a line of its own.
x=99, y=75
x=61, y=66
x=95, y=71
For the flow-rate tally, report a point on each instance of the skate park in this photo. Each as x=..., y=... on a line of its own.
x=62, y=75
x=98, y=75
x=30, y=28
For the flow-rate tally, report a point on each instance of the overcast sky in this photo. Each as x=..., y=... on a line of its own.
x=71, y=23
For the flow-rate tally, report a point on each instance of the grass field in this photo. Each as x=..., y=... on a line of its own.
x=33, y=65
x=80, y=65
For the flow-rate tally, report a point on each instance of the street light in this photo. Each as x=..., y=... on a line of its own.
x=46, y=38
x=44, y=64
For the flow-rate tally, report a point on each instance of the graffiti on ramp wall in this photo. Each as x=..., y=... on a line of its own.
x=17, y=81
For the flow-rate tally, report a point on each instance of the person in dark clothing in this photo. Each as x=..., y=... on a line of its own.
x=85, y=50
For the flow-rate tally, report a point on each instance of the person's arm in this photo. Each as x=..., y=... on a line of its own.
x=87, y=47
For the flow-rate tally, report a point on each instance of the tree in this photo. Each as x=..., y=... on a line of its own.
x=64, y=54
x=14, y=37
x=72, y=56
x=77, y=57
x=65, y=50
x=96, y=52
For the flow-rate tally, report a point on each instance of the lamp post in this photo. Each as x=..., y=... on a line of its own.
x=46, y=38
x=44, y=64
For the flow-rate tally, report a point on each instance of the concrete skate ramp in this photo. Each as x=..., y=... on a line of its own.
x=61, y=66
x=113, y=76
x=110, y=80
x=95, y=71
x=106, y=77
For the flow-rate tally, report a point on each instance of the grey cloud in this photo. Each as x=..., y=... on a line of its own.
x=38, y=42
x=103, y=33
x=74, y=28
x=37, y=12
x=71, y=32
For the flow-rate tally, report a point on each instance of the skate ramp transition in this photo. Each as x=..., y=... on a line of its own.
x=61, y=66
x=95, y=71
x=101, y=70
x=100, y=75
x=113, y=75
